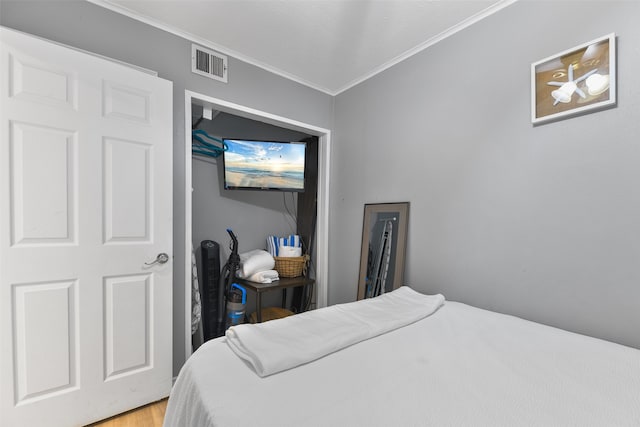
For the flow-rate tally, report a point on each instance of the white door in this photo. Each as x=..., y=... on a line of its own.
x=86, y=200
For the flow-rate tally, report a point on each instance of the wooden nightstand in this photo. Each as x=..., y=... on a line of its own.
x=284, y=283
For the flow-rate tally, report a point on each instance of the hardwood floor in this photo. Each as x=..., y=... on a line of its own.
x=150, y=415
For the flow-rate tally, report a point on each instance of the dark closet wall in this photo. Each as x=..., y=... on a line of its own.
x=253, y=215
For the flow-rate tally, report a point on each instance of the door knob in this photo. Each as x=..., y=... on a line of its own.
x=160, y=259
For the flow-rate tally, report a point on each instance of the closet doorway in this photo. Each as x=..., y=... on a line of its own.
x=321, y=239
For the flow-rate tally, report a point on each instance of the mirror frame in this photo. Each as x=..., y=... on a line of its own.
x=371, y=211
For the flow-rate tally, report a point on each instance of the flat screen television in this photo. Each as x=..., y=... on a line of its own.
x=264, y=165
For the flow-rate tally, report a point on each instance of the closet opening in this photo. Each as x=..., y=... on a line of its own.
x=253, y=215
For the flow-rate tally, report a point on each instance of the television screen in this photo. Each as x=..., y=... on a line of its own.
x=264, y=165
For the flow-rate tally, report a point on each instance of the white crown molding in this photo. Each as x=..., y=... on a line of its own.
x=206, y=43
x=433, y=40
x=250, y=60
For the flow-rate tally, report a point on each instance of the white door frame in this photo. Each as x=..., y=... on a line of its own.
x=322, y=225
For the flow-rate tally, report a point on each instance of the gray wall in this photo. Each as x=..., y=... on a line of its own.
x=90, y=27
x=541, y=222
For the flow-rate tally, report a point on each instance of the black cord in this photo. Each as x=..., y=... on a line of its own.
x=195, y=126
x=309, y=298
x=292, y=216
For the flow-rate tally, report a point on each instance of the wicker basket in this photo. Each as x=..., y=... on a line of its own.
x=291, y=266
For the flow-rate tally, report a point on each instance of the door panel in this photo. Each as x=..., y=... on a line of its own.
x=43, y=208
x=127, y=191
x=57, y=338
x=86, y=191
x=126, y=102
x=128, y=342
x=35, y=81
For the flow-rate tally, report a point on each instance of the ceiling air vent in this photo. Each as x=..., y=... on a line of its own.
x=208, y=63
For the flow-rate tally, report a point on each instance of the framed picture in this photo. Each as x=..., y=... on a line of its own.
x=384, y=242
x=576, y=81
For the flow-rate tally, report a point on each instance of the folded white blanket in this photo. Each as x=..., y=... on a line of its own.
x=282, y=344
x=253, y=261
x=266, y=276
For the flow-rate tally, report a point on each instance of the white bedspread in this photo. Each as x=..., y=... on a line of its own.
x=274, y=347
x=461, y=366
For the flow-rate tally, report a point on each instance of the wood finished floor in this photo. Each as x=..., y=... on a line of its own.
x=150, y=415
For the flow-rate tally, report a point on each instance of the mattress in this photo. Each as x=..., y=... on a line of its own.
x=460, y=366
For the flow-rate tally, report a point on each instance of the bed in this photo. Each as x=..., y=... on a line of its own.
x=389, y=361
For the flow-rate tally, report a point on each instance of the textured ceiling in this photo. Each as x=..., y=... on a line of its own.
x=329, y=45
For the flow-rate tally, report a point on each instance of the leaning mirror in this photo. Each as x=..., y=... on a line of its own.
x=384, y=241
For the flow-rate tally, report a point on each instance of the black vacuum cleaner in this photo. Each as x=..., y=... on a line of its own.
x=227, y=278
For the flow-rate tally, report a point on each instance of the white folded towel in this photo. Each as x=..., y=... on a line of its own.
x=289, y=251
x=253, y=261
x=266, y=276
x=282, y=344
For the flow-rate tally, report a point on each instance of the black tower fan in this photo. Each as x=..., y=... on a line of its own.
x=210, y=252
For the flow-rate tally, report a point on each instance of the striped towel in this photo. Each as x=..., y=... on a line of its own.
x=274, y=243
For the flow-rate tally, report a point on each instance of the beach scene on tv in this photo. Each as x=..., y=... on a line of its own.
x=264, y=165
